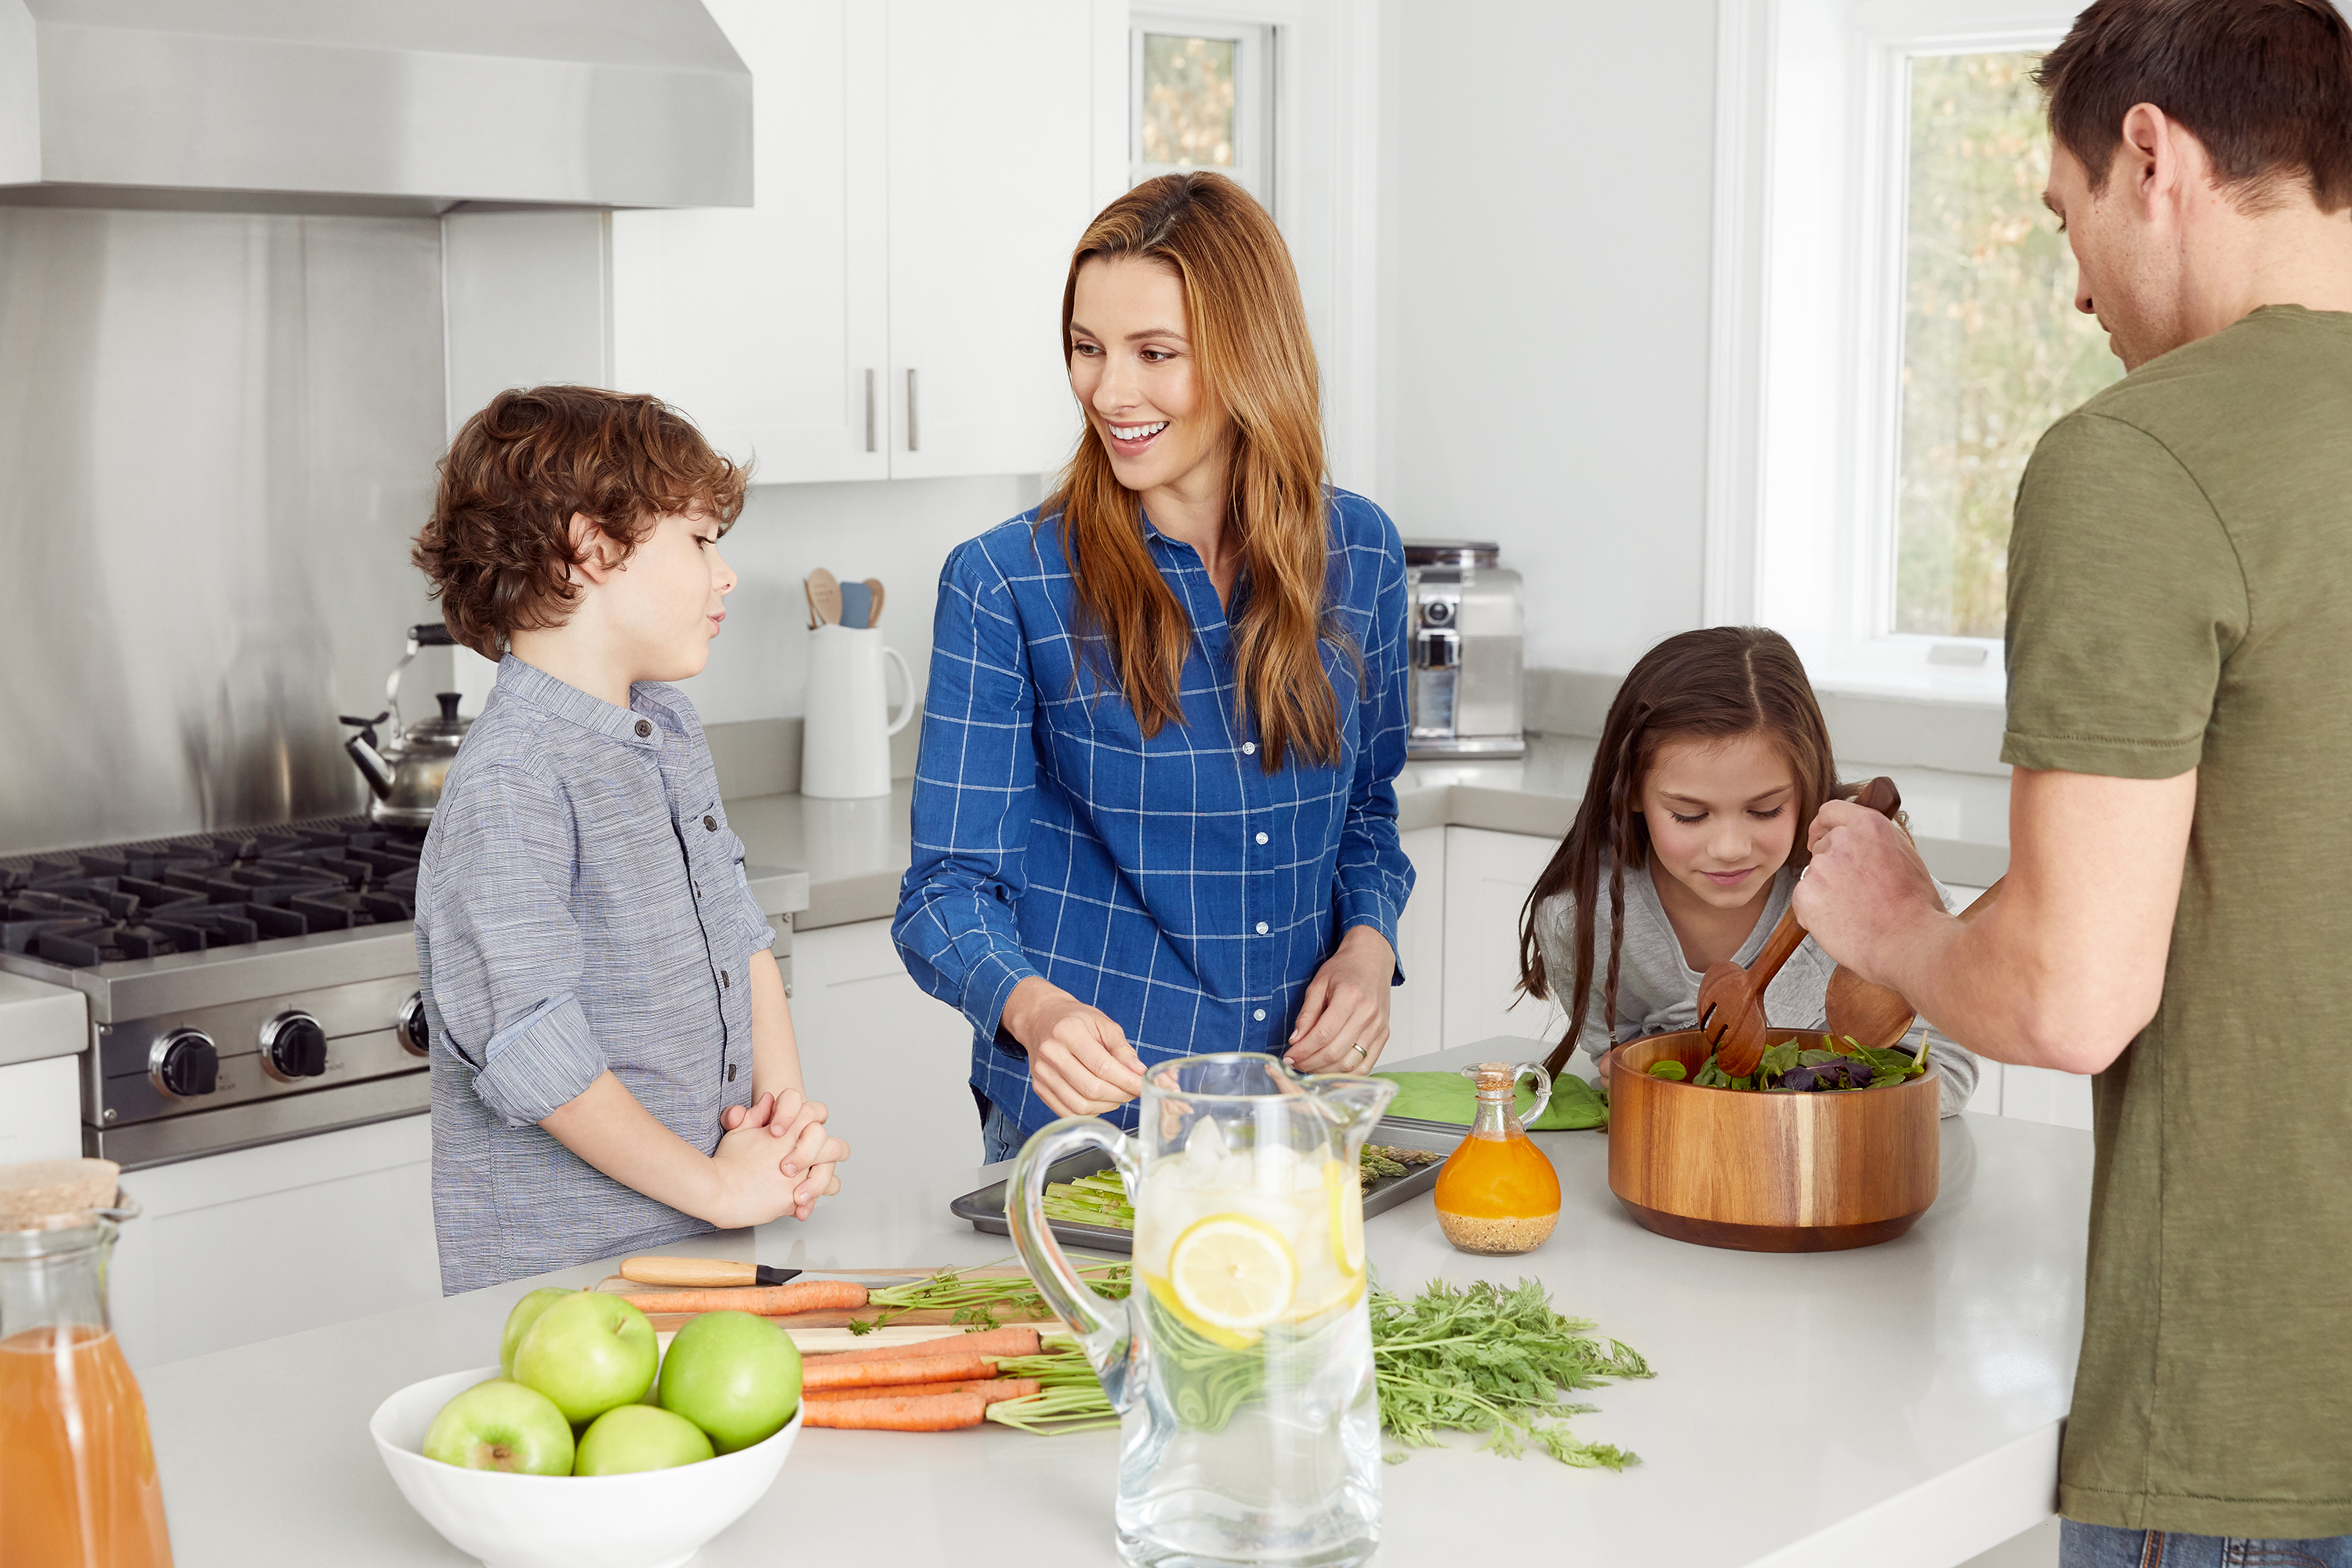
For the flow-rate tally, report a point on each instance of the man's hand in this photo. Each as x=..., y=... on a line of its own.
x=1867, y=894
x=1343, y=1020
x=1079, y=1060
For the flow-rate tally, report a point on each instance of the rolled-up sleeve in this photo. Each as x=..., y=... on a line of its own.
x=506, y=955
x=975, y=782
x=1373, y=876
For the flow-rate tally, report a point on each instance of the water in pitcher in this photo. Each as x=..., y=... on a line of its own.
x=1250, y=1271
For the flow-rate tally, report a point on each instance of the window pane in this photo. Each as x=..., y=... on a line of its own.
x=1188, y=101
x=1993, y=349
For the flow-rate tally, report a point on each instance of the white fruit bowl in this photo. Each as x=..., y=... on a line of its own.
x=655, y=1519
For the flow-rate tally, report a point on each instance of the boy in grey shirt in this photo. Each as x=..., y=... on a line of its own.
x=614, y=1064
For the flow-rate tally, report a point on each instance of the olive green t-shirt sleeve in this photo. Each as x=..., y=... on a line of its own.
x=2125, y=599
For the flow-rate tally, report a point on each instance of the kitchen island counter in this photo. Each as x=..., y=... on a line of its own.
x=1894, y=1405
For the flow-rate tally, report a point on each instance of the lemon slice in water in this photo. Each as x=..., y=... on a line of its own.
x=1234, y=1272
x=1339, y=1185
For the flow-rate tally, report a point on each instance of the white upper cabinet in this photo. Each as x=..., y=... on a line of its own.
x=889, y=307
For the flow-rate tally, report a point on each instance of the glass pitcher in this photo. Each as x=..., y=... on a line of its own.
x=1242, y=1364
x=78, y=1485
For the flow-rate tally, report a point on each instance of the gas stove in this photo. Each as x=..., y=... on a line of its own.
x=244, y=986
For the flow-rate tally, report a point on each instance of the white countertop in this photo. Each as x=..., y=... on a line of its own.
x=38, y=1021
x=856, y=851
x=1890, y=1407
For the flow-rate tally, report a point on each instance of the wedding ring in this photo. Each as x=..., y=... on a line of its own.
x=1359, y=1050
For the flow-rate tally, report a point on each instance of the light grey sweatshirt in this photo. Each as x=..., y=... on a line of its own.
x=1658, y=991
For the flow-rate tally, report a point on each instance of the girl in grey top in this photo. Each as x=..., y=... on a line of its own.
x=1712, y=762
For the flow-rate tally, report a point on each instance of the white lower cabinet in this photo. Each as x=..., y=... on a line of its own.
x=1416, y=1008
x=1487, y=878
x=248, y=1245
x=40, y=1110
x=883, y=1056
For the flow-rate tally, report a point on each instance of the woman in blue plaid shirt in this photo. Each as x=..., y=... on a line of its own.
x=1156, y=813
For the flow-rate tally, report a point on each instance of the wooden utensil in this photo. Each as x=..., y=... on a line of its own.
x=1731, y=999
x=1874, y=1014
x=874, y=586
x=824, y=597
x=1768, y=1172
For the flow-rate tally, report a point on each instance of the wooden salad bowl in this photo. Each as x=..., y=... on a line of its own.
x=1768, y=1172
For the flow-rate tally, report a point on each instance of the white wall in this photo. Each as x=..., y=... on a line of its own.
x=1546, y=189
x=900, y=531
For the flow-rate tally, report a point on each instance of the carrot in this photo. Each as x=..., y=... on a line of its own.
x=767, y=1300
x=995, y=1341
x=884, y=1374
x=932, y=1413
x=991, y=1389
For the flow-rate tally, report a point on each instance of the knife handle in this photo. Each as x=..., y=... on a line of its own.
x=688, y=1271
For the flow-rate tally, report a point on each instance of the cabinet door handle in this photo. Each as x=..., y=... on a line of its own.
x=914, y=431
x=869, y=410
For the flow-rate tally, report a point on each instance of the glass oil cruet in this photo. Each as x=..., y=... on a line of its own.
x=1498, y=1194
x=77, y=1482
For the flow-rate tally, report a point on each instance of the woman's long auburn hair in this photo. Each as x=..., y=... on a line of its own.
x=1712, y=685
x=1252, y=354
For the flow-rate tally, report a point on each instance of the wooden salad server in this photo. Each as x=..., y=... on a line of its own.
x=1872, y=1015
x=1731, y=999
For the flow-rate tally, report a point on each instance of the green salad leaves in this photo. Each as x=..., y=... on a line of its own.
x=1792, y=1068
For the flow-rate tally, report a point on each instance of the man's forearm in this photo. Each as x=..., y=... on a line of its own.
x=605, y=1126
x=775, y=1050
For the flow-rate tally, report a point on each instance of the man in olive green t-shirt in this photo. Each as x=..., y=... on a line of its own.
x=2179, y=718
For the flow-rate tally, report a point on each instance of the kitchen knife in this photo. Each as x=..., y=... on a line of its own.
x=701, y=1272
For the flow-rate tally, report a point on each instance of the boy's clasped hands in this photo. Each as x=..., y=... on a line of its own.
x=775, y=1155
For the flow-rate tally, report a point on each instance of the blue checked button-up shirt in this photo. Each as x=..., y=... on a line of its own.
x=1171, y=882
x=580, y=905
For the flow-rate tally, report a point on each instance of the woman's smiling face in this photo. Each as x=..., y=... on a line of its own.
x=1133, y=370
x=1722, y=815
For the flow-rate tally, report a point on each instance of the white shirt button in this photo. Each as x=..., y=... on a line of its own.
x=1259, y=1015
x=1249, y=748
x=1261, y=838
x=1261, y=927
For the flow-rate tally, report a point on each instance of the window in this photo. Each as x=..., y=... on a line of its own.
x=1201, y=100
x=1993, y=350
x=1893, y=329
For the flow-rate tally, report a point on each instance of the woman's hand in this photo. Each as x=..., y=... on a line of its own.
x=1079, y=1060
x=1343, y=1021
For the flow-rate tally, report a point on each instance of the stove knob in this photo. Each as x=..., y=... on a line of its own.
x=185, y=1064
x=410, y=1027
x=293, y=1045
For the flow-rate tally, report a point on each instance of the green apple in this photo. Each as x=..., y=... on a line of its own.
x=588, y=1353
x=526, y=1312
x=638, y=1437
x=501, y=1425
x=736, y=1376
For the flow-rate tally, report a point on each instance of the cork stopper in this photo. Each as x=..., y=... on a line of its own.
x=40, y=1190
x=1492, y=1077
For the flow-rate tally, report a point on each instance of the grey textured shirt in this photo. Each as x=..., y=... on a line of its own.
x=1658, y=991
x=580, y=905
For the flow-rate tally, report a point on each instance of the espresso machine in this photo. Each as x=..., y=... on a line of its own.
x=1466, y=632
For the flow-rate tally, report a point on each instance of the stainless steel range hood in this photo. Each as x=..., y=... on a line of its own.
x=370, y=106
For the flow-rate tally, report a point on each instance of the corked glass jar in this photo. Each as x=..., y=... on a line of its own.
x=1499, y=1194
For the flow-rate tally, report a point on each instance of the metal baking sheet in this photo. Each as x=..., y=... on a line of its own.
x=985, y=1208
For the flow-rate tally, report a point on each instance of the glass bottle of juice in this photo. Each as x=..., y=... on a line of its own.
x=78, y=1485
x=1498, y=1194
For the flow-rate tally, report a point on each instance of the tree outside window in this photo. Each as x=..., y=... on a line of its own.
x=1993, y=349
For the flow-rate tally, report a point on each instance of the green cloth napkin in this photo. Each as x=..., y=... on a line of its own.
x=1449, y=1097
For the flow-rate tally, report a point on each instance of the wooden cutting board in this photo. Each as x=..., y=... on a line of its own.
x=931, y=1320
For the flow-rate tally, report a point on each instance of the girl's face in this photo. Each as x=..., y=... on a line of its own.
x=1133, y=371
x=1722, y=815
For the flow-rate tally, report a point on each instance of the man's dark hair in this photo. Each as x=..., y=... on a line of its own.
x=2266, y=85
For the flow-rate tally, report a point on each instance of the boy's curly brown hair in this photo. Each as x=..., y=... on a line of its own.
x=498, y=546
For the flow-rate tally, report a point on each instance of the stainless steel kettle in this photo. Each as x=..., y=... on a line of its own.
x=405, y=771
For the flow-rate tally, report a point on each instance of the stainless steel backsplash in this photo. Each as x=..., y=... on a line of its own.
x=218, y=435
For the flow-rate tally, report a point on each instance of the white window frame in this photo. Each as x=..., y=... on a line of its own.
x=1256, y=72
x=1805, y=406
